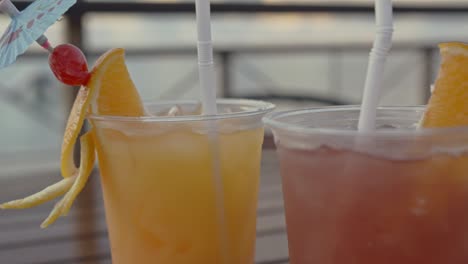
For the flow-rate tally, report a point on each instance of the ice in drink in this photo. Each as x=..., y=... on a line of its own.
x=343, y=206
x=160, y=193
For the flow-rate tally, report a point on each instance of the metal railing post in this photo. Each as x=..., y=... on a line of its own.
x=225, y=58
x=335, y=72
x=428, y=76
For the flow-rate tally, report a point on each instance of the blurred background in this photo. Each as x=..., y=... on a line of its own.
x=293, y=53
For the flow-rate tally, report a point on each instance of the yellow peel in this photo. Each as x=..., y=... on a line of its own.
x=86, y=166
x=47, y=194
x=74, y=125
x=53, y=216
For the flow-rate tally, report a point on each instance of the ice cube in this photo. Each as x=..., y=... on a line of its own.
x=175, y=111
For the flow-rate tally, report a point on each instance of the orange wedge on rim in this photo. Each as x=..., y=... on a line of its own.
x=114, y=92
x=110, y=91
x=448, y=105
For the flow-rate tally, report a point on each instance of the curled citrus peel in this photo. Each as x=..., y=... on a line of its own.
x=70, y=186
x=72, y=130
x=109, y=91
x=51, y=192
x=79, y=180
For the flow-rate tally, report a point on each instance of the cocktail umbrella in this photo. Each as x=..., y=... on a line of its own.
x=28, y=26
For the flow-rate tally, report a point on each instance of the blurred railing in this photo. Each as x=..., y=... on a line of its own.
x=83, y=7
x=227, y=54
x=225, y=57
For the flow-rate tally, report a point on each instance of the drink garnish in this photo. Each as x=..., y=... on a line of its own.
x=108, y=90
x=68, y=63
x=448, y=105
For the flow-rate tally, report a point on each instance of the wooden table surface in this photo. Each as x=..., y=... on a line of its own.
x=81, y=237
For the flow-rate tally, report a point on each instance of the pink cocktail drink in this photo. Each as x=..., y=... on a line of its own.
x=397, y=195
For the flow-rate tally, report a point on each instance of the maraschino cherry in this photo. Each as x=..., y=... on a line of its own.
x=69, y=65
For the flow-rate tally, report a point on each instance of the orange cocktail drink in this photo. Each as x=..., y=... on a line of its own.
x=159, y=176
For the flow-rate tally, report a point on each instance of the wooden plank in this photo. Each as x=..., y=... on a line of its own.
x=29, y=237
x=269, y=225
x=276, y=261
x=270, y=249
x=270, y=198
x=33, y=237
x=107, y=261
x=26, y=184
x=14, y=234
x=269, y=188
x=25, y=237
x=27, y=162
x=40, y=245
x=37, y=214
x=104, y=258
x=22, y=186
x=54, y=252
x=25, y=220
x=32, y=222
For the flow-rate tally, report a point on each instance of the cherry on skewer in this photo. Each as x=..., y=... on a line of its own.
x=69, y=65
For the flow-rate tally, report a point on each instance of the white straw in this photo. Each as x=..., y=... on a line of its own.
x=208, y=89
x=205, y=57
x=377, y=57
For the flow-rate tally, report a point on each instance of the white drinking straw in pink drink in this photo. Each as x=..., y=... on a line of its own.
x=375, y=70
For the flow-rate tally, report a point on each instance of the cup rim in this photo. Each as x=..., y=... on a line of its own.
x=259, y=108
x=271, y=121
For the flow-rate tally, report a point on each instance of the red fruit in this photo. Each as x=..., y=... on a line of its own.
x=69, y=65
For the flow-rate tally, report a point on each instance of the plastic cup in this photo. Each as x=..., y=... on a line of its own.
x=398, y=194
x=182, y=189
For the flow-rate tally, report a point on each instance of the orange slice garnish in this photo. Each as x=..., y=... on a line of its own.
x=115, y=93
x=448, y=105
x=109, y=91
